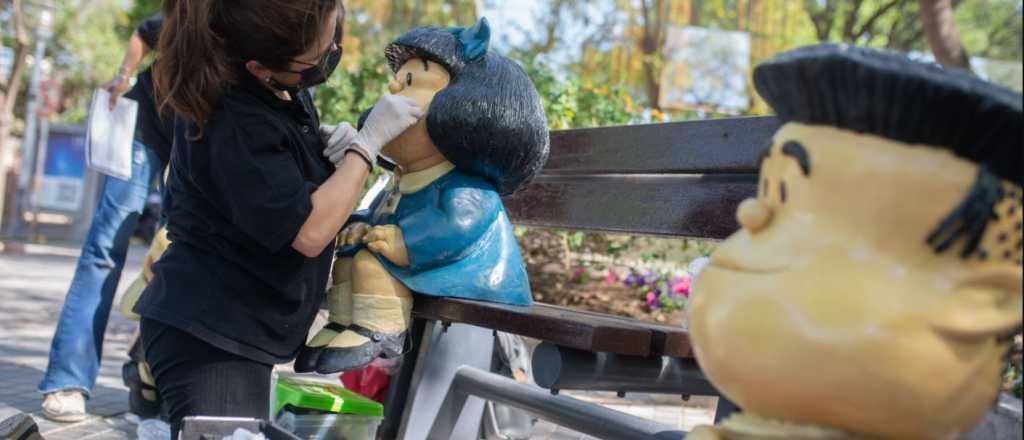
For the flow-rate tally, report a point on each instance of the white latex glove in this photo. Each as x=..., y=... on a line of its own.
x=392, y=115
x=338, y=138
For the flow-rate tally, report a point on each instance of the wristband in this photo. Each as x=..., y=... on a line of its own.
x=361, y=155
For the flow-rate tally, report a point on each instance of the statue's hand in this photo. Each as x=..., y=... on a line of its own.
x=387, y=241
x=156, y=250
x=353, y=234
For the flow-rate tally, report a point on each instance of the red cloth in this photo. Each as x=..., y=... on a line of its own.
x=371, y=382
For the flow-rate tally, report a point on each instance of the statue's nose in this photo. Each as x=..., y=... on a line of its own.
x=754, y=215
x=395, y=86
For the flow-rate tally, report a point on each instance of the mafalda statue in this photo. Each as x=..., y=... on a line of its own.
x=877, y=274
x=442, y=230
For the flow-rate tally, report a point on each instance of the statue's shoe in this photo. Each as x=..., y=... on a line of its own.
x=378, y=344
x=309, y=355
x=143, y=399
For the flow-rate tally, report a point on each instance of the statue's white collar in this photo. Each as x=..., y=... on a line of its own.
x=413, y=182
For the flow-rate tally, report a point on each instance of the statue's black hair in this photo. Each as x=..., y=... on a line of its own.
x=489, y=121
x=888, y=95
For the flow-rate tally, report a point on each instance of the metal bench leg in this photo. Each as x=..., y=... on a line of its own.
x=584, y=417
x=398, y=391
x=441, y=354
x=724, y=409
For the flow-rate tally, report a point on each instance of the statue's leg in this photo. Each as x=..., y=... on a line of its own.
x=381, y=312
x=705, y=433
x=338, y=303
x=143, y=400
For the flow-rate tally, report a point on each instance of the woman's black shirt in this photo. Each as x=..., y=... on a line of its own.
x=241, y=192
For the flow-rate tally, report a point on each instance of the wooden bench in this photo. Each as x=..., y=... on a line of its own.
x=676, y=180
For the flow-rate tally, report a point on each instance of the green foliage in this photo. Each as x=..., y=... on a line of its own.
x=350, y=92
x=574, y=103
x=87, y=48
x=992, y=28
x=568, y=104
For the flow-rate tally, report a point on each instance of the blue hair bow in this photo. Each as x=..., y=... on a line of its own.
x=474, y=40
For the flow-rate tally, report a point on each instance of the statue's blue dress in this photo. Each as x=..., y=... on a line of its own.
x=459, y=239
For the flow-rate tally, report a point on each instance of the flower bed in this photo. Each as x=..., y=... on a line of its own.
x=638, y=277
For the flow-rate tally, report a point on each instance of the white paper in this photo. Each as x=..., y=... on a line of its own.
x=110, y=135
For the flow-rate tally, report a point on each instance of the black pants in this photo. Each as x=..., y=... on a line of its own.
x=197, y=379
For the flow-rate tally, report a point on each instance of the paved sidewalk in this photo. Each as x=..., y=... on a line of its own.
x=32, y=289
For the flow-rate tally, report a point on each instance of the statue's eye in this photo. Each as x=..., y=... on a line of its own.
x=408, y=79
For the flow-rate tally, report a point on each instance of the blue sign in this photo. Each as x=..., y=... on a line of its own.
x=65, y=155
x=63, y=179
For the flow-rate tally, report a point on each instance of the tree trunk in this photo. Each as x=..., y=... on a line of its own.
x=651, y=44
x=9, y=96
x=943, y=38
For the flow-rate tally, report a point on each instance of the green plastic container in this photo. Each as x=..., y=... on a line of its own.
x=316, y=410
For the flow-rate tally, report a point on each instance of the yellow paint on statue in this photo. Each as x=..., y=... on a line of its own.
x=829, y=308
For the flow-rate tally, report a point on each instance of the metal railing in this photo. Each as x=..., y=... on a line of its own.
x=584, y=417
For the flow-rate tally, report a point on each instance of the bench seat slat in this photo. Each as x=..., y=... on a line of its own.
x=561, y=326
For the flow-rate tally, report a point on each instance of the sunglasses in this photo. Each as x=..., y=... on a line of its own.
x=331, y=56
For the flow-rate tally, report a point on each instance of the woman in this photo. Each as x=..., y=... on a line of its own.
x=257, y=201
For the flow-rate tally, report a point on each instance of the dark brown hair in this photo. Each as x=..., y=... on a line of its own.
x=204, y=45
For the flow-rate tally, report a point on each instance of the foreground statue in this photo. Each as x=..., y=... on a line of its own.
x=877, y=274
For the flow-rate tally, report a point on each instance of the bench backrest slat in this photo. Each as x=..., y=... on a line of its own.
x=680, y=179
x=701, y=206
x=729, y=145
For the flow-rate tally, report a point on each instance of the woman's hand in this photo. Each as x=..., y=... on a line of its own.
x=337, y=138
x=353, y=234
x=387, y=241
x=116, y=87
x=390, y=117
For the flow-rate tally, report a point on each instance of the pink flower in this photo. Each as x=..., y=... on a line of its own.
x=652, y=300
x=683, y=285
x=610, y=277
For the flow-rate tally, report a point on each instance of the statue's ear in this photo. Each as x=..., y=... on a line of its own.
x=474, y=40
x=986, y=303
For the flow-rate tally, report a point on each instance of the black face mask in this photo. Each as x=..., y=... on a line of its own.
x=313, y=76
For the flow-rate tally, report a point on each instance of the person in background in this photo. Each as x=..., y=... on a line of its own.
x=77, y=345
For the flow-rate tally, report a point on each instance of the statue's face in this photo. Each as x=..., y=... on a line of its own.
x=828, y=307
x=419, y=80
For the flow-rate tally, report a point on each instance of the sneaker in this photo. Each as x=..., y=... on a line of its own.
x=64, y=406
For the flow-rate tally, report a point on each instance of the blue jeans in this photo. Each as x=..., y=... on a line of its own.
x=78, y=341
